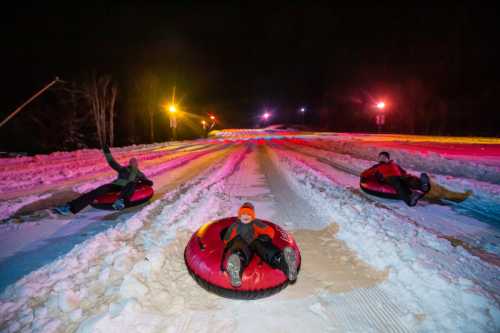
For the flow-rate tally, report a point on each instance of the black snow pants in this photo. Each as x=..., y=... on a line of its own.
x=404, y=186
x=262, y=246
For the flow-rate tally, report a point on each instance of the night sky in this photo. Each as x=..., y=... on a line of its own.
x=236, y=60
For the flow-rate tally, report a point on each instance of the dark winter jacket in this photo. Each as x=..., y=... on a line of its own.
x=382, y=171
x=126, y=174
x=249, y=231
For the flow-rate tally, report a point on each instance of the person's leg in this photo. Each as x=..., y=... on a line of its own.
x=265, y=249
x=285, y=260
x=422, y=184
x=413, y=183
x=238, y=255
x=84, y=200
x=401, y=187
x=127, y=191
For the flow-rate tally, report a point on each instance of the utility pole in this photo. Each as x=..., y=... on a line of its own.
x=29, y=100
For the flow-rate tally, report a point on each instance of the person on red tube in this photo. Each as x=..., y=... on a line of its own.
x=410, y=189
x=127, y=179
x=248, y=236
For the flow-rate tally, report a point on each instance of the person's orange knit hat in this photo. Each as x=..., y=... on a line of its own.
x=248, y=209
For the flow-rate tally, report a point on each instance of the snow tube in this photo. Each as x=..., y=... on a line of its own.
x=203, y=258
x=141, y=195
x=371, y=185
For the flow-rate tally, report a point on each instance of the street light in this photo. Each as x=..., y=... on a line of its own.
x=302, y=113
x=172, y=109
x=212, y=118
x=380, y=116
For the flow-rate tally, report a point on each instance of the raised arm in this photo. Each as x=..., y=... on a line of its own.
x=109, y=158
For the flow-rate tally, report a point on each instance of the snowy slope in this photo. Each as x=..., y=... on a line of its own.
x=369, y=265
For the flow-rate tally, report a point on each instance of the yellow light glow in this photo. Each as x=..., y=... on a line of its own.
x=172, y=109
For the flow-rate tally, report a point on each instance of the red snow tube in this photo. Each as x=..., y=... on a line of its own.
x=141, y=195
x=371, y=185
x=203, y=257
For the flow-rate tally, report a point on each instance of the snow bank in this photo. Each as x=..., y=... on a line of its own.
x=422, y=267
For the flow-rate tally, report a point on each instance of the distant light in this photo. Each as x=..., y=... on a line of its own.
x=212, y=117
x=172, y=109
x=302, y=109
x=266, y=115
x=381, y=105
x=203, y=122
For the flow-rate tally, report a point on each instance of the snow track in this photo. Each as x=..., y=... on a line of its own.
x=419, y=261
x=368, y=265
x=455, y=222
x=97, y=269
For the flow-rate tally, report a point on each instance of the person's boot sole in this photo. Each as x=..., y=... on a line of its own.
x=61, y=212
x=291, y=261
x=233, y=268
x=425, y=183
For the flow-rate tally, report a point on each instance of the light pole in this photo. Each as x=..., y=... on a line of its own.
x=266, y=117
x=302, y=114
x=173, y=120
x=16, y=111
x=212, y=118
x=380, y=116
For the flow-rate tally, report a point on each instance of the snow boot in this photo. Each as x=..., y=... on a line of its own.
x=425, y=183
x=119, y=204
x=291, y=262
x=63, y=210
x=414, y=197
x=233, y=267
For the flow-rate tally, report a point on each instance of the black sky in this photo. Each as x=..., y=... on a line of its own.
x=241, y=58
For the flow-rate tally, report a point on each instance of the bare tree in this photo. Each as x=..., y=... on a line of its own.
x=100, y=93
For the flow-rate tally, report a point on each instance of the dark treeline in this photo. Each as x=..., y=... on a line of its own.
x=436, y=68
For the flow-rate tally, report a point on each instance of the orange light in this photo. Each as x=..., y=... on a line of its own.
x=212, y=117
x=203, y=122
x=172, y=109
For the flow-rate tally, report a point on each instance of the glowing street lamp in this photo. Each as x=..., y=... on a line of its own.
x=212, y=118
x=302, y=113
x=266, y=116
x=380, y=116
x=172, y=110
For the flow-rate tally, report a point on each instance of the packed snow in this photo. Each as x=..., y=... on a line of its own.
x=369, y=264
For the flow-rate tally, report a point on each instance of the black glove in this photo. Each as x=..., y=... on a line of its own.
x=264, y=238
x=379, y=176
x=105, y=149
